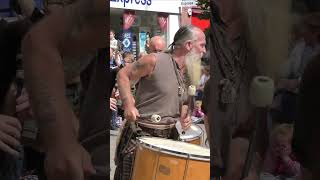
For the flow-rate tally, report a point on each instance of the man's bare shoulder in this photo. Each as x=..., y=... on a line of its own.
x=149, y=59
x=142, y=67
x=74, y=29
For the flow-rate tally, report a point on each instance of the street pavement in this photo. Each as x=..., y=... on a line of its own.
x=113, y=139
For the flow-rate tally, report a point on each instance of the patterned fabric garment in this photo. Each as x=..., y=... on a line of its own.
x=125, y=152
x=30, y=177
x=73, y=95
x=232, y=69
x=12, y=168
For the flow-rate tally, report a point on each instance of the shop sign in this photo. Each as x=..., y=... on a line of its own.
x=189, y=3
x=142, y=41
x=127, y=41
x=128, y=18
x=136, y=2
x=168, y=6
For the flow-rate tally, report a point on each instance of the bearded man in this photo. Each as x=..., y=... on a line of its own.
x=161, y=91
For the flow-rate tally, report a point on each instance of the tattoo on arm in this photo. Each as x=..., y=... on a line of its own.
x=137, y=66
x=139, y=69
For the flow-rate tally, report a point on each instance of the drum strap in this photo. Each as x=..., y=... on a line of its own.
x=156, y=126
x=156, y=131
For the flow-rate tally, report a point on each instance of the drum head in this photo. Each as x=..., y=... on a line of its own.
x=176, y=148
x=192, y=133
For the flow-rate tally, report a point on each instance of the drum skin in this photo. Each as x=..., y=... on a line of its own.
x=154, y=165
x=193, y=135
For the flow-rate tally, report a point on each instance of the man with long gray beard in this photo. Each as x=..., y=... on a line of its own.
x=162, y=91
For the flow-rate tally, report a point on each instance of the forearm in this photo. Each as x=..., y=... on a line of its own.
x=184, y=111
x=45, y=83
x=125, y=89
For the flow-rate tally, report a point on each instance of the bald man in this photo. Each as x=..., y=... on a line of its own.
x=157, y=44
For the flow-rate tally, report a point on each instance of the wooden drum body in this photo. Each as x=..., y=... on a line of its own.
x=163, y=159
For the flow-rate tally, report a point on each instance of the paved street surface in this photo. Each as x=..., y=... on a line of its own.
x=113, y=139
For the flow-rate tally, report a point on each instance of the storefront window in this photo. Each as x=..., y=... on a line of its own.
x=144, y=27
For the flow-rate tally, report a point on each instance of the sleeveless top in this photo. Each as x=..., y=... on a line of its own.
x=159, y=93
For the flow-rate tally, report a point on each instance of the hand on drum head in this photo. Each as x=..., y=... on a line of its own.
x=131, y=113
x=185, y=122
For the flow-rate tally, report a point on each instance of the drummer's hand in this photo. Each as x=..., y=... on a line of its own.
x=68, y=162
x=23, y=108
x=185, y=122
x=10, y=128
x=131, y=113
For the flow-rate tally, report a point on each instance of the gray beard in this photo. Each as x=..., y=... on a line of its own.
x=193, y=64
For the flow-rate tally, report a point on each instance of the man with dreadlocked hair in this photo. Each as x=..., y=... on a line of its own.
x=161, y=90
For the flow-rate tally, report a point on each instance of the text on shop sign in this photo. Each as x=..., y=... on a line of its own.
x=142, y=2
x=188, y=3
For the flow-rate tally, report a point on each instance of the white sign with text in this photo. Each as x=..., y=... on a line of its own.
x=168, y=6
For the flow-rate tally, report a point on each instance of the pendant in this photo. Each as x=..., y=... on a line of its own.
x=180, y=90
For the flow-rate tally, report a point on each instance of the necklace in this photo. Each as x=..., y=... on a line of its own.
x=181, y=81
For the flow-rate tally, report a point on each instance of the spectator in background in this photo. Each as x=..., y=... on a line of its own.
x=116, y=60
x=284, y=107
x=115, y=64
x=197, y=112
x=157, y=44
x=204, y=78
x=128, y=57
x=280, y=163
x=114, y=108
x=116, y=44
x=304, y=50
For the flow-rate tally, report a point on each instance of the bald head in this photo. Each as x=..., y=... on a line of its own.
x=157, y=44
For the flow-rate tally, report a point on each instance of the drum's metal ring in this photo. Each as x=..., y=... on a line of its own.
x=174, y=153
x=192, y=139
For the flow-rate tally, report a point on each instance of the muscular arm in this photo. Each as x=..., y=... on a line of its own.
x=73, y=30
x=141, y=68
